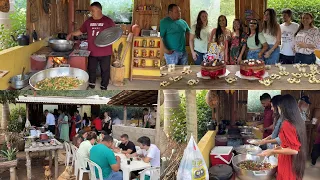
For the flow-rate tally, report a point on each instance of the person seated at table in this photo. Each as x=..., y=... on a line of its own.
x=79, y=138
x=102, y=155
x=126, y=146
x=101, y=136
x=85, y=147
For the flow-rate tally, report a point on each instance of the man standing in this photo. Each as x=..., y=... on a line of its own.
x=102, y=155
x=50, y=121
x=127, y=146
x=288, y=29
x=267, y=115
x=173, y=31
x=303, y=105
x=78, y=121
x=93, y=26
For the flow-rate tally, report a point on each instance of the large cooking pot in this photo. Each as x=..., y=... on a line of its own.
x=61, y=71
x=44, y=136
x=253, y=175
x=61, y=45
x=245, y=129
x=17, y=82
x=248, y=149
x=42, y=129
x=220, y=172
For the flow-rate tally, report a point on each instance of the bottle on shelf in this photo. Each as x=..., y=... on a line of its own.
x=143, y=63
x=144, y=53
x=136, y=63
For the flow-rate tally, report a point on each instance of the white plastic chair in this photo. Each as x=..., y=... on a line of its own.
x=74, y=150
x=68, y=154
x=92, y=167
x=153, y=172
x=138, y=148
x=79, y=170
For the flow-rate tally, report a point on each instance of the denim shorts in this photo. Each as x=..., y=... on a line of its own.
x=274, y=56
x=305, y=58
x=253, y=54
x=177, y=58
x=199, y=58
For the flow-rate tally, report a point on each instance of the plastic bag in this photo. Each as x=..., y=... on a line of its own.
x=192, y=165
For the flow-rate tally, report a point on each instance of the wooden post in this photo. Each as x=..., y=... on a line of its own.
x=125, y=115
x=28, y=165
x=56, y=166
x=50, y=159
x=191, y=114
x=158, y=121
x=13, y=174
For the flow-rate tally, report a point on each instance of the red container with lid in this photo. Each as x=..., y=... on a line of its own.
x=221, y=155
x=38, y=62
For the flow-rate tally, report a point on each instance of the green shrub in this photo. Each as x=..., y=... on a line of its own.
x=298, y=7
x=14, y=125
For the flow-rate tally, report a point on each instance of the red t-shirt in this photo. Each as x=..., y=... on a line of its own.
x=93, y=28
x=97, y=124
x=289, y=139
x=267, y=121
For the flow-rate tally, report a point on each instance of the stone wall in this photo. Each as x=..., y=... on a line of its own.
x=133, y=132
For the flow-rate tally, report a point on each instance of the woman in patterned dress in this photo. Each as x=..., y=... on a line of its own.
x=238, y=42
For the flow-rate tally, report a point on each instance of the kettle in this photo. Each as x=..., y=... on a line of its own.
x=23, y=40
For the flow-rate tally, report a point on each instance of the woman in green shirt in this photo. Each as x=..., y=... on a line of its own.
x=256, y=42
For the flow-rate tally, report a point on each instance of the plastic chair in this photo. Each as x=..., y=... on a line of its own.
x=79, y=170
x=153, y=172
x=138, y=148
x=92, y=167
x=74, y=149
x=68, y=154
x=115, y=142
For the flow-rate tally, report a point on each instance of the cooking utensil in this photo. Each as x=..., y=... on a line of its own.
x=248, y=149
x=61, y=45
x=22, y=74
x=253, y=175
x=254, y=141
x=58, y=72
x=23, y=40
x=34, y=33
x=129, y=42
x=17, y=82
x=42, y=129
x=62, y=35
x=108, y=36
x=245, y=129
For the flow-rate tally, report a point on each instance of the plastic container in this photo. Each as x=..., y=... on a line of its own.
x=221, y=155
x=38, y=62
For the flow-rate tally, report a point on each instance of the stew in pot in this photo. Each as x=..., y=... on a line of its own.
x=59, y=83
x=254, y=166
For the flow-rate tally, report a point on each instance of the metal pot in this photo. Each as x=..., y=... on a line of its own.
x=253, y=175
x=220, y=172
x=42, y=129
x=62, y=35
x=44, y=136
x=58, y=72
x=17, y=83
x=23, y=40
x=248, y=149
x=61, y=45
x=245, y=129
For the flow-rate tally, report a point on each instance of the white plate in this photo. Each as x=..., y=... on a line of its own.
x=199, y=75
x=239, y=75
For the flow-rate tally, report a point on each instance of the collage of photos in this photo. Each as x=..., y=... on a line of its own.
x=159, y=90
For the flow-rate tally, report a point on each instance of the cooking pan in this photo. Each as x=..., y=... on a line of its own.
x=254, y=175
x=108, y=36
x=58, y=72
x=61, y=45
x=248, y=149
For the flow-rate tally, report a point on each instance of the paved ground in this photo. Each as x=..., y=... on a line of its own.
x=132, y=85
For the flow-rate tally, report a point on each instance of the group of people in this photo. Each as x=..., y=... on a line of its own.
x=101, y=150
x=287, y=43
x=285, y=134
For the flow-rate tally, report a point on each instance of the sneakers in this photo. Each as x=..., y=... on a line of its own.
x=91, y=86
x=103, y=88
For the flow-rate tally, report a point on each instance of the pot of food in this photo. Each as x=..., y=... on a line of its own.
x=61, y=45
x=20, y=81
x=61, y=78
x=245, y=129
x=250, y=167
x=248, y=149
x=220, y=172
x=44, y=136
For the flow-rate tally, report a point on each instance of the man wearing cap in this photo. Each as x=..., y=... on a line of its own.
x=93, y=26
x=303, y=104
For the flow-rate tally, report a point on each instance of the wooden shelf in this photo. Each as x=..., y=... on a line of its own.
x=146, y=37
x=147, y=68
x=155, y=48
x=148, y=12
x=154, y=58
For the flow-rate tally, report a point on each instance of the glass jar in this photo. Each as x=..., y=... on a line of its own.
x=144, y=53
x=144, y=43
x=143, y=63
x=136, y=63
x=136, y=53
x=151, y=54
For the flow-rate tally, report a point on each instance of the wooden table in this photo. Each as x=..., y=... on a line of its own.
x=39, y=146
x=240, y=84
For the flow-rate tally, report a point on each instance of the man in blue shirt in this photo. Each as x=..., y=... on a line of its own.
x=78, y=121
x=173, y=31
x=102, y=155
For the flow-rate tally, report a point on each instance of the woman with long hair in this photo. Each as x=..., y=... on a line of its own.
x=107, y=123
x=274, y=137
x=315, y=154
x=307, y=39
x=221, y=35
x=292, y=151
x=256, y=42
x=272, y=33
x=199, y=37
x=64, y=134
x=238, y=42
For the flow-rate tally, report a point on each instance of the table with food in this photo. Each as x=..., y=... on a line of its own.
x=250, y=74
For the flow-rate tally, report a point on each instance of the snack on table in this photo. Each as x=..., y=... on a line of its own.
x=231, y=79
x=254, y=166
x=266, y=82
x=175, y=79
x=252, y=67
x=192, y=82
x=164, y=83
x=163, y=74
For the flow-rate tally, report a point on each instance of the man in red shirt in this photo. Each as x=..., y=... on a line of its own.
x=267, y=115
x=93, y=26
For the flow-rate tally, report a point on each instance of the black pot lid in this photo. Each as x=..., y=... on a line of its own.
x=221, y=170
x=108, y=36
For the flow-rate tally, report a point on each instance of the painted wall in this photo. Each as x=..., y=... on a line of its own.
x=206, y=144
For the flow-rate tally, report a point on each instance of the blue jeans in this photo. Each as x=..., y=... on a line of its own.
x=305, y=58
x=253, y=54
x=177, y=58
x=274, y=57
x=114, y=176
x=199, y=58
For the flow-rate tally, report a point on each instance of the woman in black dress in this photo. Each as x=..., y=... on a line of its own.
x=107, y=123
